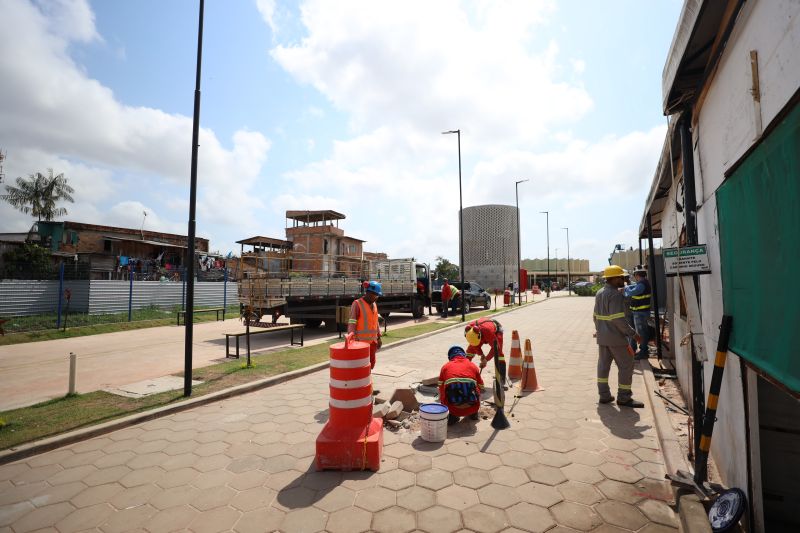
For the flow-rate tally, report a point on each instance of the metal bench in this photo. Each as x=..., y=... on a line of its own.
x=206, y=310
x=264, y=328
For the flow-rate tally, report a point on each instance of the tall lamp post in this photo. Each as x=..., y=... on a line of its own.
x=569, y=280
x=190, y=259
x=547, y=213
x=519, y=242
x=460, y=221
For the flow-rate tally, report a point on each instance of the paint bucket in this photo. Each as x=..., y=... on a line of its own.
x=433, y=422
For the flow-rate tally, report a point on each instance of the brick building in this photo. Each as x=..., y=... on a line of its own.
x=314, y=245
x=106, y=249
x=320, y=247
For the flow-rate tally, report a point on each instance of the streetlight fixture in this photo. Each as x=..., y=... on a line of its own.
x=190, y=258
x=460, y=221
x=519, y=243
x=569, y=287
x=547, y=213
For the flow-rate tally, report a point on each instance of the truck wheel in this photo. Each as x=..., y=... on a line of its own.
x=419, y=310
x=466, y=307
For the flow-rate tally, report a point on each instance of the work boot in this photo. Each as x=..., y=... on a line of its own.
x=631, y=403
x=451, y=419
x=606, y=400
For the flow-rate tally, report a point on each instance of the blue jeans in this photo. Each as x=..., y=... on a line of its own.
x=640, y=324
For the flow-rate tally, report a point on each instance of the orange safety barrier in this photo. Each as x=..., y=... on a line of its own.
x=529, y=381
x=351, y=439
x=515, y=357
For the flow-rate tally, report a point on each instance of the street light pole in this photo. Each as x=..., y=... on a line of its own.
x=519, y=243
x=190, y=259
x=547, y=213
x=460, y=221
x=569, y=281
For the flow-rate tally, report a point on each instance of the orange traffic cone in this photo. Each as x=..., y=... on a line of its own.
x=351, y=439
x=515, y=358
x=529, y=382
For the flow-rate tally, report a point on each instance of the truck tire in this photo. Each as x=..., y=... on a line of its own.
x=313, y=323
x=466, y=306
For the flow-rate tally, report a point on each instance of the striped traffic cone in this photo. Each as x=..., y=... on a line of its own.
x=515, y=357
x=351, y=439
x=529, y=382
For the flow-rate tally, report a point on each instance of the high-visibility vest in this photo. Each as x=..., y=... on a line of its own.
x=642, y=302
x=367, y=322
x=454, y=291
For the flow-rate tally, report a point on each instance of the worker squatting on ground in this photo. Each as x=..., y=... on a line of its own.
x=613, y=332
x=363, y=323
x=460, y=386
x=484, y=331
x=639, y=295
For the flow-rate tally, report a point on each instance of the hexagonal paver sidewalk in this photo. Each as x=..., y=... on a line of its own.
x=246, y=463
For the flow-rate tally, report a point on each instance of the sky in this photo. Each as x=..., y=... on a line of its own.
x=340, y=105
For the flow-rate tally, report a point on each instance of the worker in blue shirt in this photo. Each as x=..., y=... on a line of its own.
x=640, y=296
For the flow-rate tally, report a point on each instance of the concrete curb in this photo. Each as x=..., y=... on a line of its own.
x=692, y=514
x=674, y=459
x=57, y=441
x=33, y=448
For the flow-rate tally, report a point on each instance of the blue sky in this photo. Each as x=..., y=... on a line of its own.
x=340, y=105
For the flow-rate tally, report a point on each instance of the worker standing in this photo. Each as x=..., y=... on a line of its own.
x=455, y=297
x=460, y=386
x=363, y=323
x=639, y=295
x=612, y=334
x=446, y=293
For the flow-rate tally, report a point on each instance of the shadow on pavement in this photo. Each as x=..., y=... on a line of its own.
x=622, y=422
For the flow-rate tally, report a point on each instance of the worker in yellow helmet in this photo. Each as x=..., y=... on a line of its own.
x=613, y=334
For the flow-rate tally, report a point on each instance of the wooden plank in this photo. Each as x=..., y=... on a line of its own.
x=693, y=317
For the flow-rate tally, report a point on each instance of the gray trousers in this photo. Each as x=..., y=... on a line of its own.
x=620, y=355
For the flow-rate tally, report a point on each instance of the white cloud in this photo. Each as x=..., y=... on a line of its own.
x=267, y=10
x=51, y=108
x=386, y=63
x=403, y=78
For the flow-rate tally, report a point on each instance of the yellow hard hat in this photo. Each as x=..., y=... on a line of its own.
x=613, y=271
x=473, y=336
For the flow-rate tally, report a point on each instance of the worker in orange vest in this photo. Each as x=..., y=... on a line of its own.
x=460, y=386
x=363, y=323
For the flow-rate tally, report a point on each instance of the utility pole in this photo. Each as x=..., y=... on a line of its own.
x=190, y=259
x=569, y=272
x=519, y=244
x=547, y=213
x=460, y=221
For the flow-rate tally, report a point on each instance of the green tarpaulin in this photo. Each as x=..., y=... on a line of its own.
x=759, y=225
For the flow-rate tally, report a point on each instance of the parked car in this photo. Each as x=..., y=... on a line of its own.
x=472, y=296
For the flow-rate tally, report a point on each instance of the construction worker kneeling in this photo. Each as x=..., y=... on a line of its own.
x=460, y=386
x=613, y=332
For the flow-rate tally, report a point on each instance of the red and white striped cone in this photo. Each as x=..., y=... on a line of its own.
x=351, y=439
x=515, y=357
x=529, y=382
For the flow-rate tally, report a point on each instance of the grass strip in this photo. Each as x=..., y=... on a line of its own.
x=64, y=414
x=107, y=324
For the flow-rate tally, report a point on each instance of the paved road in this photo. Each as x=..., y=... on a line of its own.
x=38, y=371
x=245, y=464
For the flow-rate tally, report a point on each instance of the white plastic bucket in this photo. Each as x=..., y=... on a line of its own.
x=433, y=422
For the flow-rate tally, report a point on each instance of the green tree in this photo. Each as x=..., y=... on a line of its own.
x=38, y=195
x=445, y=269
x=28, y=261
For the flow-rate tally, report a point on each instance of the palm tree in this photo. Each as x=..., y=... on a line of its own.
x=38, y=195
